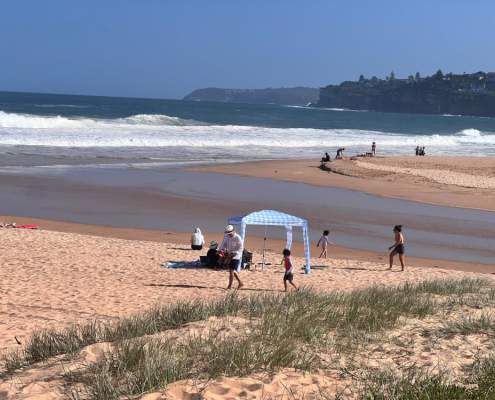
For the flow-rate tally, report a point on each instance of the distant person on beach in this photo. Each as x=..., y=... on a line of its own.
x=340, y=153
x=373, y=148
x=417, y=150
x=398, y=247
x=232, y=247
x=197, y=240
x=326, y=158
x=289, y=269
x=212, y=255
x=324, y=242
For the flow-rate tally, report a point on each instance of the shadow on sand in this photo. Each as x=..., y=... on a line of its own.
x=187, y=286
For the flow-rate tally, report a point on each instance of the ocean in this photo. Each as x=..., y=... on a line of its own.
x=45, y=129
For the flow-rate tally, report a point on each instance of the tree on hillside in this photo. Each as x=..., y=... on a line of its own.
x=392, y=76
x=361, y=78
x=417, y=76
x=439, y=74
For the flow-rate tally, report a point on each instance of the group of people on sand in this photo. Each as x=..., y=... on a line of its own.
x=230, y=252
x=420, y=151
x=340, y=153
x=338, y=156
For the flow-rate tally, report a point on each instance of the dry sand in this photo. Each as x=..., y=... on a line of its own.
x=52, y=279
x=449, y=181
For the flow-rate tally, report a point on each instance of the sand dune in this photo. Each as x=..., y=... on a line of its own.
x=52, y=279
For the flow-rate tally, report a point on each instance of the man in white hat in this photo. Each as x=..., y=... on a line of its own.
x=232, y=246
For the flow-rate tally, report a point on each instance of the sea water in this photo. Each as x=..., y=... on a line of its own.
x=41, y=129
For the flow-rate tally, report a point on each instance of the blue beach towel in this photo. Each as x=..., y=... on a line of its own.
x=181, y=264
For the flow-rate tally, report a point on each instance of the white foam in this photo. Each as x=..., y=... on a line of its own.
x=471, y=132
x=326, y=108
x=161, y=131
x=155, y=119
x=13, y=120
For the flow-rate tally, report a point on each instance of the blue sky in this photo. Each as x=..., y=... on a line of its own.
x=166, y=48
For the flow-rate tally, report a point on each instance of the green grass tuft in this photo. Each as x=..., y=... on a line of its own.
x=281, y=331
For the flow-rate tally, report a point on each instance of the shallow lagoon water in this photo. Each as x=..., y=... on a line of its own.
x=165, y=197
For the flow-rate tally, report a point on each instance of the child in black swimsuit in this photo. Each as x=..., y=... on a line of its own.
x=398, y=247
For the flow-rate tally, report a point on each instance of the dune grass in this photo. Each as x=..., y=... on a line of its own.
x=418, y=385
x=483, y=324
x=286, y=331
x=283, y=331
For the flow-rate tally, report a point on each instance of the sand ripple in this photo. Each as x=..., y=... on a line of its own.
x=437, y=175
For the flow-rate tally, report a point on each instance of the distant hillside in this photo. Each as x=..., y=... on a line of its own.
x=466, y=94
x=284, y=96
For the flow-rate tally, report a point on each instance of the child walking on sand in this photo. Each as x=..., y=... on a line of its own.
x=289, y=269
x=398, y=247
x=324, y=242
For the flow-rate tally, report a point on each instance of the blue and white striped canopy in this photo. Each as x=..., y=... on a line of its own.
x=275, y=218
x=268, y=217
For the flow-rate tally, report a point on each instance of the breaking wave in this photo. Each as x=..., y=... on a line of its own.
x=149, y=130
x=28, y=121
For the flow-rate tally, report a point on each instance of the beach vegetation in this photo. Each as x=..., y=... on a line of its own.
x=417, y=384
x=482, y=324
x=277, y=331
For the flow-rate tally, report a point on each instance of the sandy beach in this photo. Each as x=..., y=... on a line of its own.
x=52, y=279
x=71, y=273
x=467, y=182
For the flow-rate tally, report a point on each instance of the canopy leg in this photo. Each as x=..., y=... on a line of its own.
x=264, y=250
x=307, y=269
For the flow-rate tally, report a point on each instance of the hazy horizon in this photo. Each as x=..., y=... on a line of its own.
x=165, y=50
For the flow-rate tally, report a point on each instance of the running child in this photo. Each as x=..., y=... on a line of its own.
x=289, y=269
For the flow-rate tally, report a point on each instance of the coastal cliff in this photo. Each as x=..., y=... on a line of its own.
x=466, y=94
x=284, y=96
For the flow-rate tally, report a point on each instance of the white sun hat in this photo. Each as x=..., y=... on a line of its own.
x=229, y=228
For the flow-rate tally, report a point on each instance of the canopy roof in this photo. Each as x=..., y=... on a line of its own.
x=275, y=218
x=268, y=217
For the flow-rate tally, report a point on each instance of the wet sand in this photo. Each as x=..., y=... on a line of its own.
x=171, y=199
x=395, y=177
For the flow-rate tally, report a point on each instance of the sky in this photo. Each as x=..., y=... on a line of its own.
x=167, y=48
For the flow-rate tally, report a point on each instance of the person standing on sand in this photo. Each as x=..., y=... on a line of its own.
x=289, y=269
x=232, y=246
x=197, y=240
x=324, y=242
x=373, y=148
x=398, y=247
